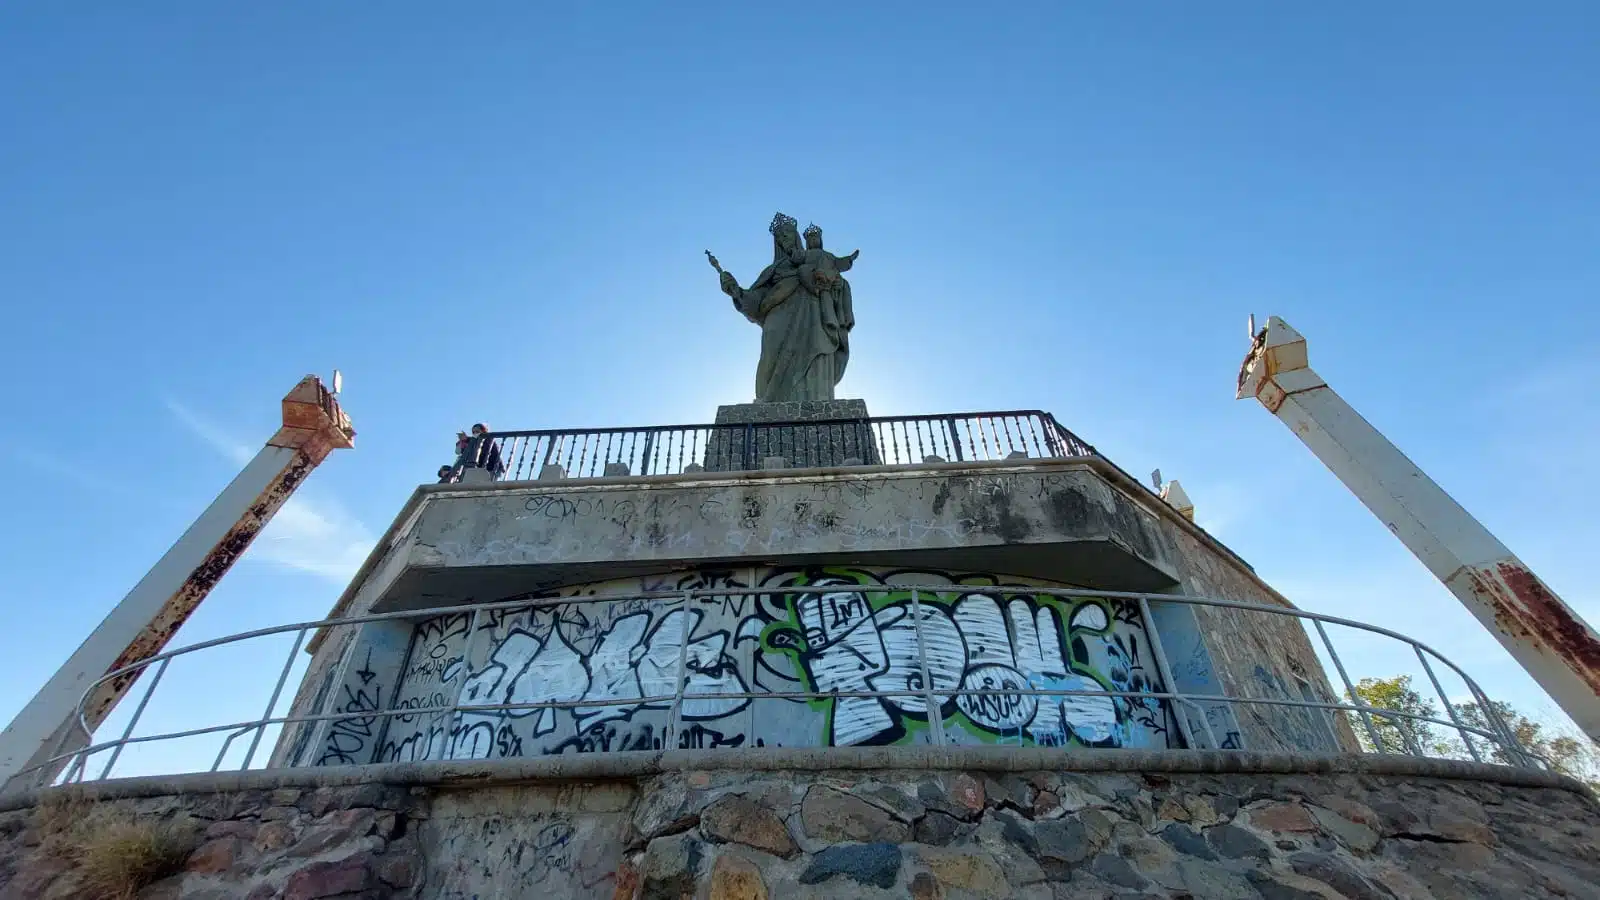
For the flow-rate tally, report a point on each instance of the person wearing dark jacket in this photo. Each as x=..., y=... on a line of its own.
x=488, y=452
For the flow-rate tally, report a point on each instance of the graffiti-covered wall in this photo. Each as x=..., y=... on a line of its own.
x=613, y=662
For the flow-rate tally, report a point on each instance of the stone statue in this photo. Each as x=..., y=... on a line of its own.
x=803, y=306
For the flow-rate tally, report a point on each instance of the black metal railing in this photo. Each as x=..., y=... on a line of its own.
x=676, y=449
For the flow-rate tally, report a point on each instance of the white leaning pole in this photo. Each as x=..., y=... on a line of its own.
x=1541, y=632
x=146, y=619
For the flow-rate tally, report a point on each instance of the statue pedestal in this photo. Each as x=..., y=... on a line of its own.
x=805, y=433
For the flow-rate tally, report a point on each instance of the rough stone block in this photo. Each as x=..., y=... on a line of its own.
x=852, y=461
x=396, y=870
x=833, y=815
x=1017, y=454
x=774, y=462
x=552, y=472
x=932, y=458
x=973, y=871
x=214, y=856
x=693, y=467
x=872, y=864
x=937, y=828
x=1282, y=817
x=1337, y=874
x=964, y=798
x=736, y=878
x=925, y=887
x=670, y=867
x=329, y=879
x=1186, y=840
x=1236, y=843
x=617, y=469
x=475, y=475
x=1354, y=835
x=1115, y=870
x=741, y=820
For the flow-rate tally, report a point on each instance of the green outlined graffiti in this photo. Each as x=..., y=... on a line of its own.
x=983, y=648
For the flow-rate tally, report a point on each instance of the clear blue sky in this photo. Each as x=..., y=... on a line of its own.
x=496, y=212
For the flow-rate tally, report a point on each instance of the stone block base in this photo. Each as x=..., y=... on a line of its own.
x=700, y=829
x=804, y=433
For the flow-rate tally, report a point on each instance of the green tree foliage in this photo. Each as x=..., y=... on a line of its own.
x=1393, y=731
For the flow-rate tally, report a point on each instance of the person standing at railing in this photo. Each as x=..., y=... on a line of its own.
x=486, y=452
x=447, y=474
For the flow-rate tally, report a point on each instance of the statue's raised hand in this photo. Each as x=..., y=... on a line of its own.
x=730, y=285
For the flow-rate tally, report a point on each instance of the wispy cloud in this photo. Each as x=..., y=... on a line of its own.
x=310, y=533
x=236, y=451
x=78, y=475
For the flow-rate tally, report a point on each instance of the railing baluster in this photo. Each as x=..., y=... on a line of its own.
x=1466, y=738
x=138, y=711
x=277, y=690
x=1350, y=689
x=673, y=717
x=464, y=673
x=931, y=706
x=1152, y=636
x=1513, y=747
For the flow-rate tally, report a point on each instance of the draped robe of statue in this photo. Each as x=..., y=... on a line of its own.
x=804, y=309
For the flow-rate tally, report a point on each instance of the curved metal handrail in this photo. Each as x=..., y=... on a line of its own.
x=1497, y=733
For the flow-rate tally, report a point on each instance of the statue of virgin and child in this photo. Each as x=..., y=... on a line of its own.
x=802, y=303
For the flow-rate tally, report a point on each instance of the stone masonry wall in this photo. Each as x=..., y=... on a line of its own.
x=966, y=832
x=291, y=843
x=1258, y=655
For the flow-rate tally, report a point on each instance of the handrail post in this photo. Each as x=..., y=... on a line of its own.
x=1466, y=738
x=955, y=438
x=747, y=461
x=465, y=673
x=1350, y=689
x=1515, y=753
x=933, y=709
x=138, y=711
x=277, y=690
x=671, y=736
x=1153, y=637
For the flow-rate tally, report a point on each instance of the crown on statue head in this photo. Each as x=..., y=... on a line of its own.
x=781, y=221
x=813, y=230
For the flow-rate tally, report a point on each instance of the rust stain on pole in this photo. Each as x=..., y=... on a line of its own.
x=1527, y=611
x=313, y=426
x=199, y=583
